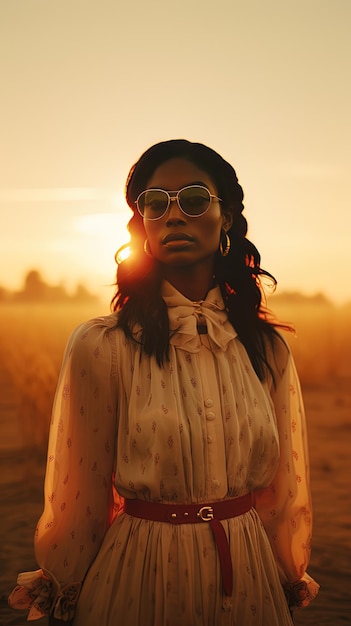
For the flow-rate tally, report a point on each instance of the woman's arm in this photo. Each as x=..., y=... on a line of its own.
x=285, y=506
x=79, y=500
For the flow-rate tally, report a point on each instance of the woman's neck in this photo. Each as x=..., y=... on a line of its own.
x=190, y=284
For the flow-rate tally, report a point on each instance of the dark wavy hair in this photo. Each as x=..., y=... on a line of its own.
x=138, y=295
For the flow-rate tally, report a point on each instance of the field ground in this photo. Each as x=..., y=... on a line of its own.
x=32, y=344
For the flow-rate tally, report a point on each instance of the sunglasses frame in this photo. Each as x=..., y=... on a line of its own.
x=175, y=198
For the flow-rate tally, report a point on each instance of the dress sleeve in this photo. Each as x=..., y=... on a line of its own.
x=79, y=492
x=285, y=506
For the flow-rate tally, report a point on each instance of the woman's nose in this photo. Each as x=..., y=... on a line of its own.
x=174, y=212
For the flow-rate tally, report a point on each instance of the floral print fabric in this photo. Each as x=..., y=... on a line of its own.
x=202, y=428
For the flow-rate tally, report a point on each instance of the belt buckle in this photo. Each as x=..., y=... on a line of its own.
x=206, y=513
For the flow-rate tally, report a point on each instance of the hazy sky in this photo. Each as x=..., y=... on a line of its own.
x=87, y=85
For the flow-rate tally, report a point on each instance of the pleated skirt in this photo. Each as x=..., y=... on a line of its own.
x=156, y=574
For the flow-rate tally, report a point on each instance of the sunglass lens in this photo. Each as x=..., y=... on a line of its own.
x=152, y=203
x=194, y=200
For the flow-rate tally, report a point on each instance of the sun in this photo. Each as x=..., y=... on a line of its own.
x=97, y=236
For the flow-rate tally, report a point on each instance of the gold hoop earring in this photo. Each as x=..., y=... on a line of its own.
x=225, y=251
x=147, y=249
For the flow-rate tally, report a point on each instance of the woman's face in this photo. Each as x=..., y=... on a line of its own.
x=176, y=239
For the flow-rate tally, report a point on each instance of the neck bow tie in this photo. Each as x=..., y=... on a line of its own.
x=185, y=316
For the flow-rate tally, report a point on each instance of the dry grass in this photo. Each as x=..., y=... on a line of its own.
x=322, y=345
x=33, y=338
x=32, y=341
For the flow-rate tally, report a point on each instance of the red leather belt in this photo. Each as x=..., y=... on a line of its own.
x=210, y=513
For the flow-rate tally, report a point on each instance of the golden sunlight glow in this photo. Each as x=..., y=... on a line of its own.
x=123, y=253
x=96, y=239
x=64, y=210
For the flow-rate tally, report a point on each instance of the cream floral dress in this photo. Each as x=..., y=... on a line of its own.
x=202, y=428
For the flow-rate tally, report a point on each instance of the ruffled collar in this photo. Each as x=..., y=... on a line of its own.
x=185, y=316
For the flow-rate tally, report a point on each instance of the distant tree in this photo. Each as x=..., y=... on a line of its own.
x=298, y=298
x=82, y=294
x=34, y=286
x=5, y=295
x=35, y=289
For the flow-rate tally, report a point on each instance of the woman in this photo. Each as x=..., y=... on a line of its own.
x=184, y=402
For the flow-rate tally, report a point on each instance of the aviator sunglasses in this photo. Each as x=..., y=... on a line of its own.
x=193, y=201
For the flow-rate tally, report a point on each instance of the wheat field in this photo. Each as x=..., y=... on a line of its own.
x=32, y=340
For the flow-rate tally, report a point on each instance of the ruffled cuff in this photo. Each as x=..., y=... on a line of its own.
x=42, y=594
x=301, y=592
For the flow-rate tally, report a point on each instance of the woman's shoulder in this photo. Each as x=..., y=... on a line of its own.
x=278, y=354
x=93, y=346
x=93, y=335
x=95, y=327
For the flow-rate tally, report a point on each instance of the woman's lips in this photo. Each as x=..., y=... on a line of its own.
x=177, y=240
